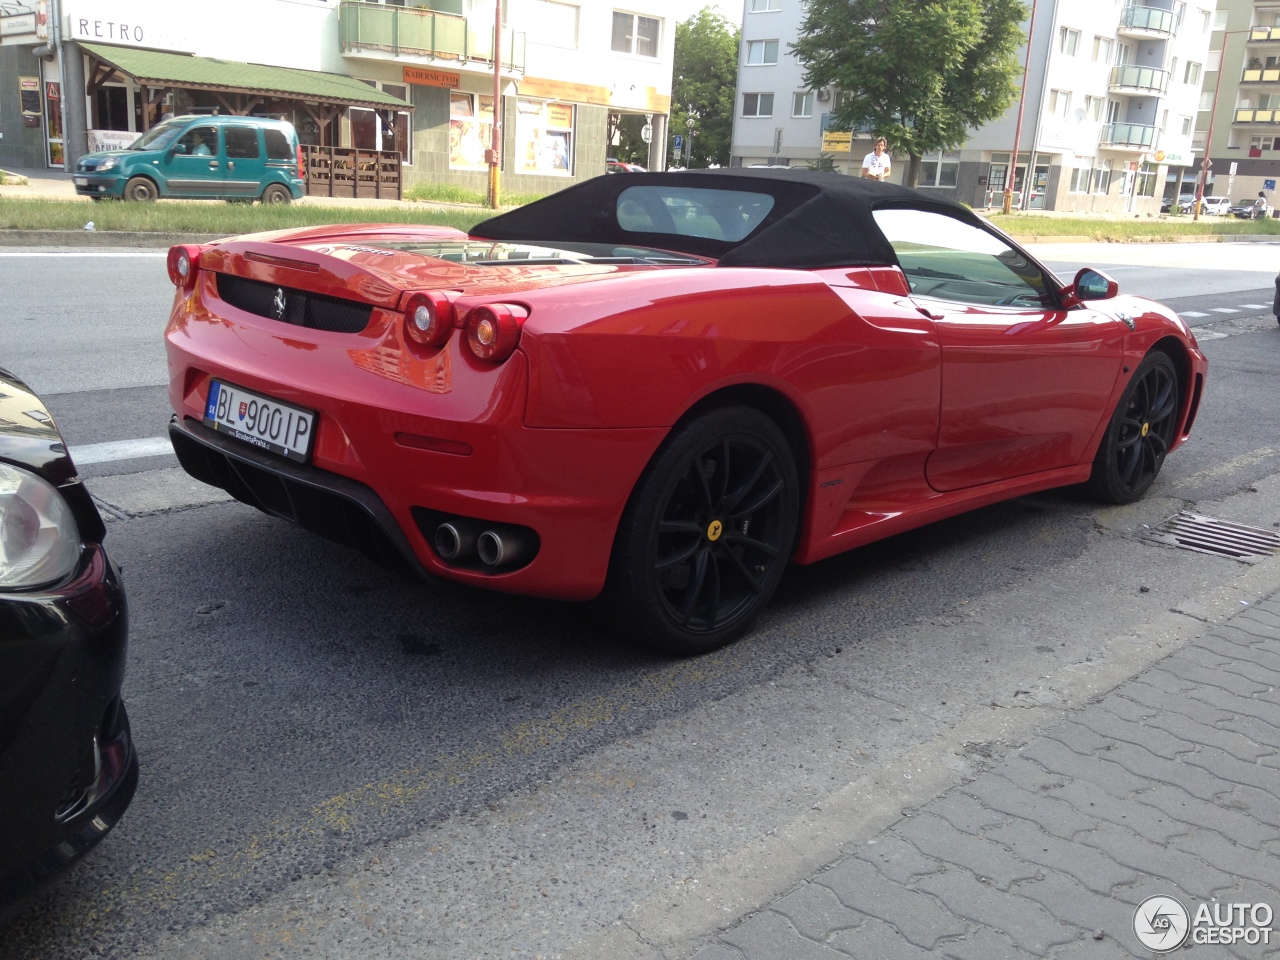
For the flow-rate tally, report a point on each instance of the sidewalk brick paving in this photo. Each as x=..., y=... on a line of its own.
x=1169, y=785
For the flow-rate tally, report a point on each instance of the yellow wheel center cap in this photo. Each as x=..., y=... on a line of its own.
x=714, y=530
x=1145, y=428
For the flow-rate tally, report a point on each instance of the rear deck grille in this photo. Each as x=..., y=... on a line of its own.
x=302, y=308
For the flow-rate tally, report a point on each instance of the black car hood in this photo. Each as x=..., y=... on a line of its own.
x=28, y=434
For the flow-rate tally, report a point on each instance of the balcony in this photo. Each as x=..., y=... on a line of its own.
x=1260, y=76
x=1139, y=80
x=1268, y=115
x=1264, y=35
x=420, y=34
x=1128, y=136
x=1143, y=21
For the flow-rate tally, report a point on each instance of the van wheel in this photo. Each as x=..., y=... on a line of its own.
x=275, y=193
x=140, y=189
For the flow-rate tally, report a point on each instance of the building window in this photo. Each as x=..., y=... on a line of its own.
x=1102, y=49
x=1102, y=177
x=1206, y=100
x=1146, y=186
x=1093, y=108
x=1185, y=126
x=940, y=169
x=765, y=6
x=1192, y=74
x=552, y=23
x=470, y=130
x=1220, y=19
x=757, y=104
x=1059, y=103
x=544, y=137
x=1206, y=20
x=387, y=130
x=761, y=52
x=802, y=103
x=1260, y=143
x=1068, y=40
x=635, y=34
x=1081, y=175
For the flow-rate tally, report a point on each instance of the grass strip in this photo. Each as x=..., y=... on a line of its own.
x=213, y=216
x=1137, y=228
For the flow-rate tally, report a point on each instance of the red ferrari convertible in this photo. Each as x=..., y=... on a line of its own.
x=664, y=387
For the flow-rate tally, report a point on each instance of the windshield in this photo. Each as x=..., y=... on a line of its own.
x=498, y=253
x=159, y=137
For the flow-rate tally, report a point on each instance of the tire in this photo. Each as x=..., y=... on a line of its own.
x=1139, y=434
x=707, y=534
x=277, y=193
x=141, y=190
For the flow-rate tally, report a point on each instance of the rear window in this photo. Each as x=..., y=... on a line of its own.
x=692, y=211
x=242, y=143
x=277, y=145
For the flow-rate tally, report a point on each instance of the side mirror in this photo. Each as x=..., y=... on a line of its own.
x=178, y=148
x=1090, y=284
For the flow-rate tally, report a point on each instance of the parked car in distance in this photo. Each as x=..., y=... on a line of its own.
x=67, y=764
x=619, y=166
x=200, y=157
x=664, y=387
x=1216, y=206
x=1184, y=202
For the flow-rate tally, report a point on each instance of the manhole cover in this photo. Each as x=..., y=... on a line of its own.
x=1190, y=531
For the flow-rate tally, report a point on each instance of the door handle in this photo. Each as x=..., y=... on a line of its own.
x=231, y=164
x=930, y=314
x=213, y=164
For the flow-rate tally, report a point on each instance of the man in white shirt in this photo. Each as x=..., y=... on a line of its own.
x=875, y=165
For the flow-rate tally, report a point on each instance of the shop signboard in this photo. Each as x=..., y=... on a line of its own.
x=470, y=130
x=136, y=23
x=100, y=140
x=544, y=138
x=23, y=23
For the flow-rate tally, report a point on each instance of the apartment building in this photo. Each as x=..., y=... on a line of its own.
x=1240, y=101
x=410, y=77
x=1109, y=108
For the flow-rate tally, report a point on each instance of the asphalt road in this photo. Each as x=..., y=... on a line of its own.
x=340, y=763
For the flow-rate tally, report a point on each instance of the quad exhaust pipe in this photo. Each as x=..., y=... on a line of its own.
x=498, y=545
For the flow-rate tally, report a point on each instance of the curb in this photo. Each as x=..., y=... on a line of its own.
x=99, y=238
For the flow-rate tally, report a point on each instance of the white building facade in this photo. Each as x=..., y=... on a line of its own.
x=1109, y=109
x=414, y=77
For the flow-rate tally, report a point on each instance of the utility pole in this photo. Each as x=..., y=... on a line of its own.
x=495, y=149
x=1012, y=172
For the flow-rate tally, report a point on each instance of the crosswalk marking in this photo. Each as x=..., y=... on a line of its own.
x=1193, y=313
x=1255, y=306
x=1224, y=309
x=88, y=453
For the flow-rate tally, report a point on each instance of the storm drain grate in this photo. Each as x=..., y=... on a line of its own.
x=1190, y=531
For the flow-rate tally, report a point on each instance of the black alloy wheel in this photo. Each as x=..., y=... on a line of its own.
x=1140, y=433
x=708, y=532
x=141, y=190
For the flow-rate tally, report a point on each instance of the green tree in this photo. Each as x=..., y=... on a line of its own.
x=703, y=86
x=919, y=73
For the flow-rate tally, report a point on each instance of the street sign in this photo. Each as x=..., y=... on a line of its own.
x=678, y=142
x=646, y=133
x=1268, y=184
x=1232, y=171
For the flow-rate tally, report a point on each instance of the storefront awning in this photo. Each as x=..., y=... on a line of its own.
x=150, y=68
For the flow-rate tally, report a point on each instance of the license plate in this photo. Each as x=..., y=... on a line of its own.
x=81, y=181
x=262, y=421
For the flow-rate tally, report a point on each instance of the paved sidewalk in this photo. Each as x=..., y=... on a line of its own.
x=1169, y=785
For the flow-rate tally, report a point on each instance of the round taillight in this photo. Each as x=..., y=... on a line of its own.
x=429, y=318
x=493, y=330
x=184, y=263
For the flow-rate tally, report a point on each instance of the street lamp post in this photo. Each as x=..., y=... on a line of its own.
x=1206, y=163
x=689, y=141
x=1012, y=172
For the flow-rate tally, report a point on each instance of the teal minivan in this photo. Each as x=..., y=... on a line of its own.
x=200, y=157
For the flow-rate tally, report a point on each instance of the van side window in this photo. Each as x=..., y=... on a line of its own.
x=277, y=145
x=199, y=142
x=242, y=143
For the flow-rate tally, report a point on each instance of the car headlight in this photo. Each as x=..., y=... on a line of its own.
x=39, y=540
x=107, y=164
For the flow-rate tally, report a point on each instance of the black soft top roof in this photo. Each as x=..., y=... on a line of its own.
x=818, y=219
